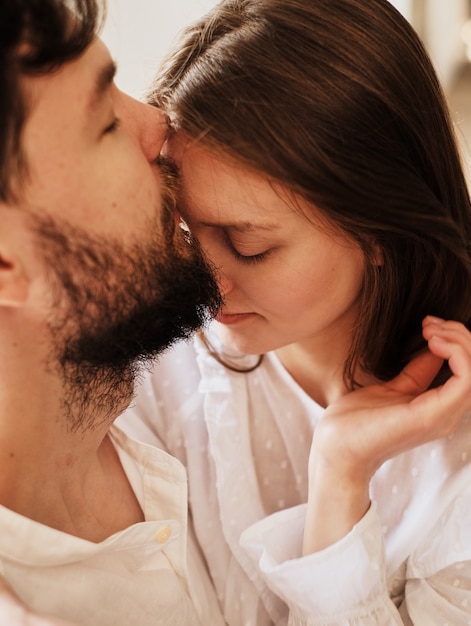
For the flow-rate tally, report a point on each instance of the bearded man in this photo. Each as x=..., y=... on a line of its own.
x=95, y=281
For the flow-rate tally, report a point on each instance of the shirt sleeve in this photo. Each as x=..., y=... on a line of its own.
x=343, y=585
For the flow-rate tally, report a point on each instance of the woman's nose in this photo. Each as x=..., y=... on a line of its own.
x=225, y=284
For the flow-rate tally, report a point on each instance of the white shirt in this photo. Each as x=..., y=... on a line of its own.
x=245, y=439
x=140, y=575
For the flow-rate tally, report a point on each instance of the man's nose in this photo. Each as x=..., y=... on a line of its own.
x=147, y=123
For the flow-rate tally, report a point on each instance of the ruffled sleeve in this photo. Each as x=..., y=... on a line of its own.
x=343, y=584
x=348, y=584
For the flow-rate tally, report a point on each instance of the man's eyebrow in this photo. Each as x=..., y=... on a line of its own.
x=103, y=80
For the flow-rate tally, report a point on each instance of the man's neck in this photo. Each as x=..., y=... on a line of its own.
x=67, y=478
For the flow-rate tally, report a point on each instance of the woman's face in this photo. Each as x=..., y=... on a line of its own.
x=284, y=278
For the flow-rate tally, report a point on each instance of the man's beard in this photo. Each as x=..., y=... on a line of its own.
x=117, y=307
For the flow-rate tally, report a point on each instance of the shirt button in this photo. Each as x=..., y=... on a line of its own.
x=163, y=534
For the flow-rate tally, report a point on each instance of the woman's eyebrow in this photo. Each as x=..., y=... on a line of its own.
x=241, y=226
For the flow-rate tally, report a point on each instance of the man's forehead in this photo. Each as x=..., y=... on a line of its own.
x=63, y=107
x=78, y=85
x=89, y=65
x=103, y=79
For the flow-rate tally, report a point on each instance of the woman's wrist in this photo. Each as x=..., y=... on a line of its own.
x=336, y=502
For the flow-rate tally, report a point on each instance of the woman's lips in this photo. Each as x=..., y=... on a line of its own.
x=233, y=318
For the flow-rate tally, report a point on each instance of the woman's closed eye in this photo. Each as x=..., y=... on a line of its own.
x=242, y=254
x=242, y=250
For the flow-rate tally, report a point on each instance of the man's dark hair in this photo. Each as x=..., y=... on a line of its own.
x=36, y=37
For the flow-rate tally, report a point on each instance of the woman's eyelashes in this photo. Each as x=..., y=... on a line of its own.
x=244, y=258
x=191, y=230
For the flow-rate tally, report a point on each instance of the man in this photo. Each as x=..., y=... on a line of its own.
x=95, y=281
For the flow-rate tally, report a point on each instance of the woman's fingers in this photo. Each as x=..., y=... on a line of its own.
x=452, y=332
x=441, y=409
x=418, y=374
x=376, y=422
x=448, y=341
x=451, y=341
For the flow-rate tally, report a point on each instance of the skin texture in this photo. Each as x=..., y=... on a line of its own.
x=104, y=134
x=277, y=261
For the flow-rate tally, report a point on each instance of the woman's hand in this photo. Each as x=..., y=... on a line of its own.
x=364, y=428
x=14, y=613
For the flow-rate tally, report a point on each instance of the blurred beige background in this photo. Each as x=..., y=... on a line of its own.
x=445, y=28
x=139, y=32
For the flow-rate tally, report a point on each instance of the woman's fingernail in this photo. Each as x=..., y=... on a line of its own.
x=432, y=318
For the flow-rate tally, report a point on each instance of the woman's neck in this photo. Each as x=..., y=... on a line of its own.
x=319, y=374
x=319, y=369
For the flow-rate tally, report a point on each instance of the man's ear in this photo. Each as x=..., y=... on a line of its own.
x=14, y=282
x=15, y=256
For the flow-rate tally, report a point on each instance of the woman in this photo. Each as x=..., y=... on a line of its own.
x=321, y=176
